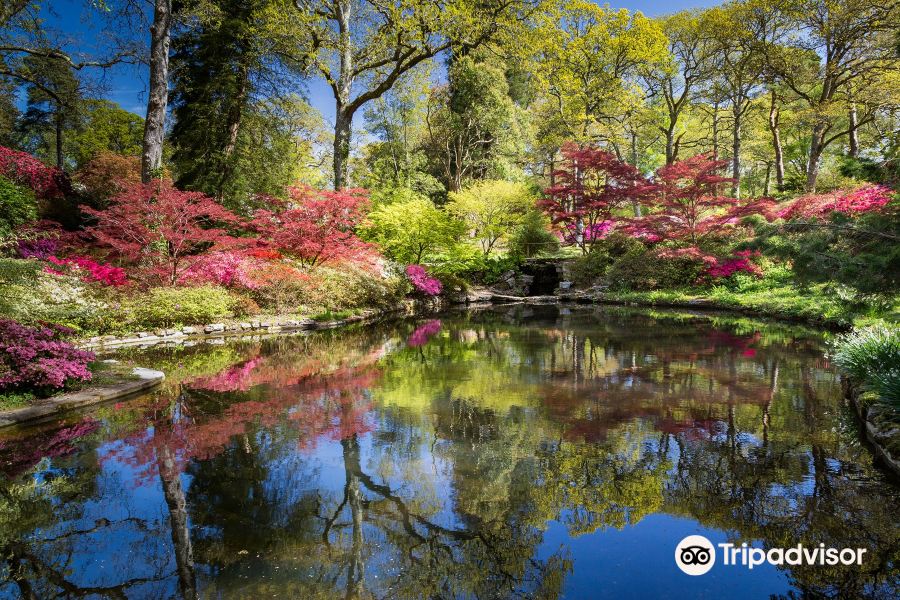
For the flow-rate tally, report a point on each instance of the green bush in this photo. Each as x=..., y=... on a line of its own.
x=646, y=271
x=17, y=207
x=346, y=288
x=532, y=238
x=871, y=356
x=175, y=306
x=592, y=267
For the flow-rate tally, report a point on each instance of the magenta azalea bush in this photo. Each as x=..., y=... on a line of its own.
x=87, y=269
x=422, y=282
x=39, y=358
x=741, y=262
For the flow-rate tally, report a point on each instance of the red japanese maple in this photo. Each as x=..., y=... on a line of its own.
x=161, y=229
x=592, y=185
x=47, y=182
x=319, y=226
x=685, y=200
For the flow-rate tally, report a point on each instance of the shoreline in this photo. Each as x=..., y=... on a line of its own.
x=272, y=326
x=872, y=430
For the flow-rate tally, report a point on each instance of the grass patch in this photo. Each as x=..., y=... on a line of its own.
x=777, y=295
x=871, y=356
x=13, y=400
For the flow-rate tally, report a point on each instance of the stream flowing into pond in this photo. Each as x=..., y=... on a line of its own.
x=527, y=452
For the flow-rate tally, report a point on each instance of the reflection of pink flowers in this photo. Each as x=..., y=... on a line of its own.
x=423, y=333
x=422, y=282
x=236, y=377
x=18, y=455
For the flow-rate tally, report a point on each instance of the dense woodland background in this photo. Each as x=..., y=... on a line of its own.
x=796, y=95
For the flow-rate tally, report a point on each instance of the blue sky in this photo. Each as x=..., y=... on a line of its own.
x=127, y=85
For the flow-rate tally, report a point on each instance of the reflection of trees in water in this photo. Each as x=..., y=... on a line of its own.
x=484, y=434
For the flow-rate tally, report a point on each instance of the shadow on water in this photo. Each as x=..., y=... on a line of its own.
x=536, y=452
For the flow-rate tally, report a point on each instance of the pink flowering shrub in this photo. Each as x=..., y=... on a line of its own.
x=862, y=200
x=741, y=262
x=422, y=282
x=24, y=169
x=87, y=269
x=423, y=333
x=228, y=269
x=38, y=358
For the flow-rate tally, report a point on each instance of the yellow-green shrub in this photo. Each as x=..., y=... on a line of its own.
x=175, y=306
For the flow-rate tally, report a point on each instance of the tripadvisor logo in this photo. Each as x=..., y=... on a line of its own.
x=696, y=555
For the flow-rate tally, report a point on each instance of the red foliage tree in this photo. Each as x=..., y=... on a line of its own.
x=48, y=183
x=591, y=186
x=160, y=228
x=684, y=201
x=318, y=228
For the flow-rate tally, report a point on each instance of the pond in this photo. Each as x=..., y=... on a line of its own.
x=536, y=452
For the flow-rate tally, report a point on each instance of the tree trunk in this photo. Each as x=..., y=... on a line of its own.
x=636, y=206
x=178, y=518
x=342, y=131
x=774, y=127
x=736, y=153
x=853, y=150
x=670, y=144
x=815, y=153
x=767, y=188
x=155, y=124
x=343, y=123
x=59, y=137
x=715, y=131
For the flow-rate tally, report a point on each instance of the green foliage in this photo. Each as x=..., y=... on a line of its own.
x=104, y=127
x=871, y=356
x=175, y=306
x=491, y=209
x=642, y=270
x=347, y=288
x=17, y=207
x=858, y=252
x=474, y=125
x=412, y=231
x=592, y=267
x=531, y=236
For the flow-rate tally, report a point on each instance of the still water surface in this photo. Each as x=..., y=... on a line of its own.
x=512, y=453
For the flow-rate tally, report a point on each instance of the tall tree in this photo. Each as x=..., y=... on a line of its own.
x=823, y=51
x=676, y=80
x=54, y=101
x=587, y=59
x=158, y=95
x=739, y=67
x=226, y=65
x=362, y=47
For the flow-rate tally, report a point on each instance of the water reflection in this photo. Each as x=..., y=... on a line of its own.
x=536, y=453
